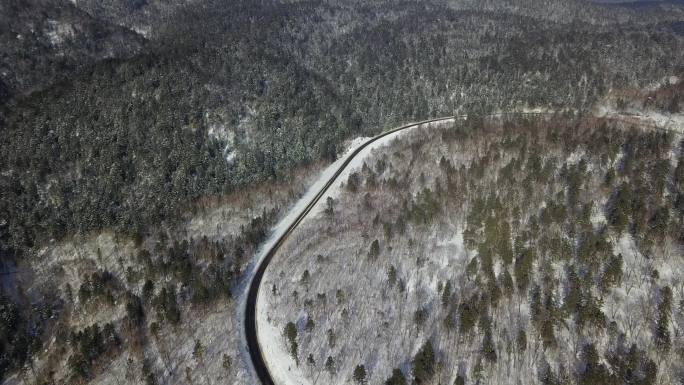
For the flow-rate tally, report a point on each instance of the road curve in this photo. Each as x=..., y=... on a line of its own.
x=253, y=347
x=250, y=325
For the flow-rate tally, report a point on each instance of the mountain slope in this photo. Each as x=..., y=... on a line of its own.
x=45, y=41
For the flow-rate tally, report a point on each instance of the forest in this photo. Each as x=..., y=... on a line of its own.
x=516, y=250
x=230, y=96
x=147, y=147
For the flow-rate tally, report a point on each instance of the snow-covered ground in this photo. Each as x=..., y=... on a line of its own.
x=268, y=336
x=347, y=295
x=386, y=343
x=673, y=122
x=364, y=155
x=67, y=264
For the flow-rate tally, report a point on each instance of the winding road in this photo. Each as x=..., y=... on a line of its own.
x=250, y=323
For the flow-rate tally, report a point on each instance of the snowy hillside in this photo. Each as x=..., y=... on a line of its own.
x=521, y=251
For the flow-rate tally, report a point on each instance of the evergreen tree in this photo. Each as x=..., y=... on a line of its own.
x=423, y=364
x=594, y=371
x=226, y=362
x=291, y=335
x=662, y=332
x=446, y=294
x=612, y=273
x=392, y=275
x=488, y=348
x=507, y=284
x=397, y=378
x=331, y=338
x=330, y=365
x=374, y=251
x=198, y=350
x=523, y=269
x=621, y=208
x=359, y=374
x=521, y=340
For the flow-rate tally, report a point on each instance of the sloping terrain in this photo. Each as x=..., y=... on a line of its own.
x=523, y=250
x=110, y=309
x=137, y=123
x=46, y=41
x=142, y=16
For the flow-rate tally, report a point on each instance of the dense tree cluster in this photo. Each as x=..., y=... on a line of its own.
x=15, y=341
x=124, y=115
x=48, y=41
x=129, y=142
x=89, y=345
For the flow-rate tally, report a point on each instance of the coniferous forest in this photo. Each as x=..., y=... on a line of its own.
x=149, y=147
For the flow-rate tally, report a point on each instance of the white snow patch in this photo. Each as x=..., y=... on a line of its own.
x=273, y=348
x=230, y=155
x=673, y=122
x=57, y=31
x=144, y=31
x=575, y=157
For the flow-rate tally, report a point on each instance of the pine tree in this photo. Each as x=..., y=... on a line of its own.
x=353, y=182
x=392, y=275
x=423, y=364
x=478, y=371
x=523, y=269
x=421, y=316
x=571, y=301
x=306, y=277
x=662, y=332
x=397, y=378
x=329, y=208
x=359, y=374
x=227, y=362
x=446, y=294
x=550, y=315
x=521, y=340
x=198, y=351
x=612, y=273
x=331, y=338
x=467, y=315
x=330, y=365
x=621, y=210
x=374, y=251
x=309, y=326
x=507, y=284
x=488, y=348
x=594, y=371
x=291, y=335
x=471, y=269
x=536, y=306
